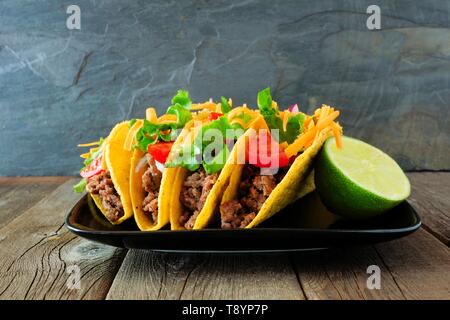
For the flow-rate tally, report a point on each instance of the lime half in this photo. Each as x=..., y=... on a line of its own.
x=359, y=181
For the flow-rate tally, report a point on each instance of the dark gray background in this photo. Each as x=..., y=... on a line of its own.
x=60, y=87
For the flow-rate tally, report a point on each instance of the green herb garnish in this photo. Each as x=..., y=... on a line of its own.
x=224, y=105
x=94, y=154
x=80, y=186
x=192, y=156
x=151, y=133
x=273, y=120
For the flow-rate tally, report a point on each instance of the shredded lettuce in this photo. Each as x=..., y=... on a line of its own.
x=94, y=154
x=80, y=186
x=245, y=117
x=182, y=98
x=201, y=142
x=217, y=163
x=273, y=120
x=151, y=133
x=192, y=156
x=183, y=114
x=224, y=105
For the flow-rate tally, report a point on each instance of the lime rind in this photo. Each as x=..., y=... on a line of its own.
x=358, y=181
x=369, y=168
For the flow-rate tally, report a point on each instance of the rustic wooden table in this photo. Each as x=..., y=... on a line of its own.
x=36, y=249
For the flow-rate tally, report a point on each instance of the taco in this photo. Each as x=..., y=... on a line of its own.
x=151, y=181
x=278, y=166
x=106, y=175
x=201, y=176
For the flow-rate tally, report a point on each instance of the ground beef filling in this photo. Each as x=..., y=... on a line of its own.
x=151, y=182
x=254, y=189
x=193, y=195
x=103, y=186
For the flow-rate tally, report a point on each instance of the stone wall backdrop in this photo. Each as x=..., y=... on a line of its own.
x=60, y=87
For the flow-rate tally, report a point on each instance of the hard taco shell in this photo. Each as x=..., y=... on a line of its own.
x=118, y=163
x=297, y=182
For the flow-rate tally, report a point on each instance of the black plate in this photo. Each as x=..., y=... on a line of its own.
x=306, y=224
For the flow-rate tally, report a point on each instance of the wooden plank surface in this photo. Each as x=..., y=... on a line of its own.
x=205, y=276
x=19, y=194
x=431, y=198
x=420, y=265
x=37, y=249
x=414, y=267
x=341, y=274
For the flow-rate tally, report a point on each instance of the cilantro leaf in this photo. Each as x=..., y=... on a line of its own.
x=271, y=114
x=294, y=127
x=265, y=100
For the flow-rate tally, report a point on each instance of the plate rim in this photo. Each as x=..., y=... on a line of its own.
x=73, y=228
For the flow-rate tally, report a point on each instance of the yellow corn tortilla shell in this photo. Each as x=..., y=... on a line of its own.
x=179, y=176
x=143, y=221
x=174, y=184
x=176, y=207
x=118, y=162
x=206, y=215
x=94, y=201
x=297, y=182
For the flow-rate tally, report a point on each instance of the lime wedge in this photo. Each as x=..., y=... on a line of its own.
x=359, y=181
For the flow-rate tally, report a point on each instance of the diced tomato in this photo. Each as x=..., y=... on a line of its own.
x=215, y=115
x=160, y=151
x=264, y=152
x=94, y=168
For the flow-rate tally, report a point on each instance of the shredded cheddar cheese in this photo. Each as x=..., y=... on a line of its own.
x=236, y=116
x=239, y=121
x=209, y=105
x=337, y=132
x=234, y=113
x=90, y=144
x=274, y=104
x=285, y=118
x=150, y=114
x=167, y=118
x=326, y=116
